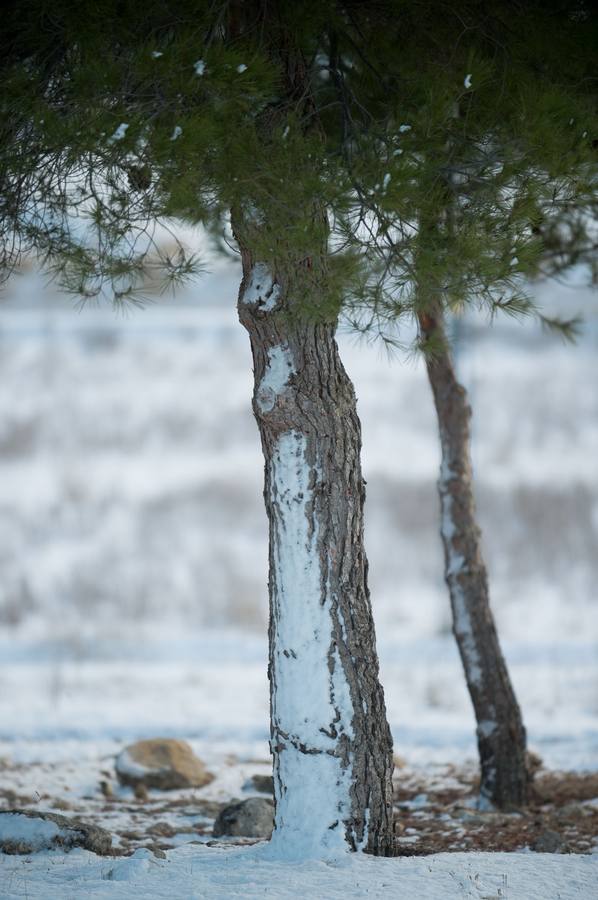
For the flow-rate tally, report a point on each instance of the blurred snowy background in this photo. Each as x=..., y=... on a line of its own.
x=133, y=542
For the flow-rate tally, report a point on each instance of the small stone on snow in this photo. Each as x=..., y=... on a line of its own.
x=547, y=842
x=253, y=817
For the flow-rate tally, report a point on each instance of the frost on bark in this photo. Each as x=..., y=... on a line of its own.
x=500, y=731
x=331, y=744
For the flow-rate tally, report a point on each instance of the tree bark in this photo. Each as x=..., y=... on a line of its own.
x=330, y=740
x=500, y=731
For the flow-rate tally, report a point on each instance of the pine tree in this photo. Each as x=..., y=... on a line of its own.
x=327, y=132
x=189, y=112
x=500, y=731
x=330, y=739
x=500, y=146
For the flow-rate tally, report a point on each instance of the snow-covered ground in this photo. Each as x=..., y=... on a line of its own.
x=133, y=559
x=193, y=873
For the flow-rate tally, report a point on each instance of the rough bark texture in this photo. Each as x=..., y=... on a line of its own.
x=328, y=717
x=500, y=732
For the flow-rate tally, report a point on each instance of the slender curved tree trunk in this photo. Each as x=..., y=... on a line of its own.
x=330, y=740
x=500, y=731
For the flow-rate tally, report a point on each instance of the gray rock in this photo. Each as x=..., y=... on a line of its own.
x=481, y=818
x=162, y=763
x=253, y=817
x=547, y=842
x=263, y=784
x=28, y=831
x=576, y=811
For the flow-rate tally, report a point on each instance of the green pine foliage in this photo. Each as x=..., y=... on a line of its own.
x=434, y=155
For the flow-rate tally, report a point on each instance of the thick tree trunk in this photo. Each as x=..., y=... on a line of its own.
x=500, y=732
x=330, y=740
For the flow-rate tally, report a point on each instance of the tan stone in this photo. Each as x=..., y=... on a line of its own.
x=162, y=763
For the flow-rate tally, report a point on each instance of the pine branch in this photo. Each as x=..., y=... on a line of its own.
x=568, y=329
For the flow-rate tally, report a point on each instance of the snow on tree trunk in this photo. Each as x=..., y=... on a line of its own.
x=330, y=740
x=500, y=732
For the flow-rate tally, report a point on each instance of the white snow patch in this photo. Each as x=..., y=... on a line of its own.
x=276, y=377
x=464, y=629
x=456, y=564
x=199, y=67
x=261, y=290
x=447, y=526
x=446, y=473
x=177, y=132
x=241, y=68
x=156, y=54
x=248, y=874
x=194, y=871
x=134, y=867
x=128, y=766
x=316, y=801
x=119, y=133
x=486, y=727
x=467, y=81
x=404, y=128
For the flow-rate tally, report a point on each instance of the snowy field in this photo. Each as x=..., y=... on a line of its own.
x=133, y=568
x=190, y=873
